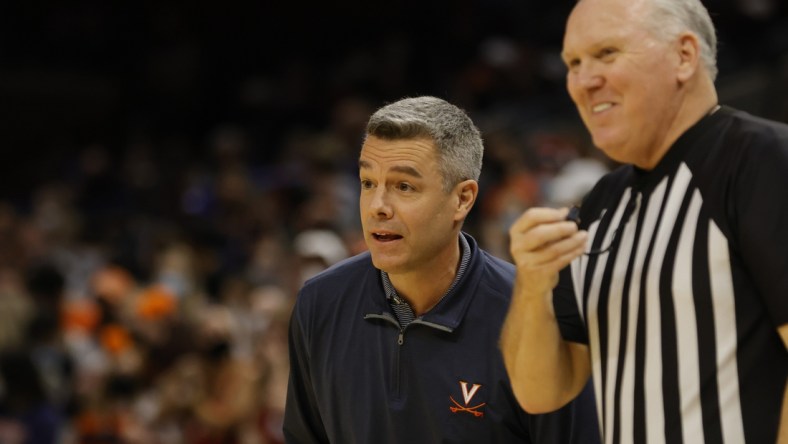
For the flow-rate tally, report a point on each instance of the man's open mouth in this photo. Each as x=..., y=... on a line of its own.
x=385, y=237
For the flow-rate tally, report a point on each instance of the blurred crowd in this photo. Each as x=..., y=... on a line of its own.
x=166, y=193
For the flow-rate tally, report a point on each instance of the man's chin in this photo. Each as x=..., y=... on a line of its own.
x=387, y=264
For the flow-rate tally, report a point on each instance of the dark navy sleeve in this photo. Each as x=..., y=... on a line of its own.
x=302, y=421
x=575, y=423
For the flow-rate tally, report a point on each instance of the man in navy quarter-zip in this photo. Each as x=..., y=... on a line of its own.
x=399, y=344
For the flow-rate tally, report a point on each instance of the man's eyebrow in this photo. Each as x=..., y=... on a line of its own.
x=404, y=169
x=565, y=55
x=410, y=171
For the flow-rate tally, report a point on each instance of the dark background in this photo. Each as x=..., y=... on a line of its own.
x=104, y=73
x=170, y=173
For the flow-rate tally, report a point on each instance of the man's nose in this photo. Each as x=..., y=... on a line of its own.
x=380, y=205
x=589, y=76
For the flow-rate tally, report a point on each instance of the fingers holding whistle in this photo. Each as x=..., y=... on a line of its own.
x=547, y=239
x=573, y=215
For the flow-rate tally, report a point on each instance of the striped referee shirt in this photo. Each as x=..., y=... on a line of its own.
x=683, y=286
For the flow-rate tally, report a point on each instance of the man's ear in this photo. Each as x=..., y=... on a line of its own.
x=466, y=192
x=688, y=49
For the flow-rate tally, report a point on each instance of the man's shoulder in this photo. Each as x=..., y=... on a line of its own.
x=349, y=273
x=738, y=142
x=497, y=268
x=745, y=132
x=749, y=123
x=496, y=279
x=485, y=266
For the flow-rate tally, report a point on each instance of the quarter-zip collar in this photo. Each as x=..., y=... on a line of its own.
x=450, y=310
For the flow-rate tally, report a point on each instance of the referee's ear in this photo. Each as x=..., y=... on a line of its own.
x=688, y=51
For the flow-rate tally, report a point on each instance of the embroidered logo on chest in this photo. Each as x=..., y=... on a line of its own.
x=467, y=397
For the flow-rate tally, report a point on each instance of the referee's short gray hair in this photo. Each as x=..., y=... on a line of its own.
x=671, y=17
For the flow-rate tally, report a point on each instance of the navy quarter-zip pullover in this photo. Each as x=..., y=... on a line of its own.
x=358, y=377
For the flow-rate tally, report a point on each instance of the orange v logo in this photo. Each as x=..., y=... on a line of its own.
x=467, y=395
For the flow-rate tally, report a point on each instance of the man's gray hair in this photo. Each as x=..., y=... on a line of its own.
x=458, y=142
x=672, y=17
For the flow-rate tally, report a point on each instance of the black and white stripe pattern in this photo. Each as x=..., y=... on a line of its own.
x=660, y=312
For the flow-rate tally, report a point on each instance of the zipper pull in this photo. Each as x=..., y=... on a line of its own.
x=401, y=339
